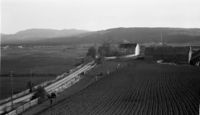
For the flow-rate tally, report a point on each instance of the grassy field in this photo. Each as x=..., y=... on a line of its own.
x=140, y=88
x=45, y=62
x=19, y=84
x=40, y=59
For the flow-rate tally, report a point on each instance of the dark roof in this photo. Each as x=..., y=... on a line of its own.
x=128, y=45
x=196, y=54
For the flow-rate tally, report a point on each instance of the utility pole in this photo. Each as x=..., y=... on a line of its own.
x=31, y=75
x=11, y=83
x=161, y=37
x=31, y=84
x=190, y=55
x=162, y=44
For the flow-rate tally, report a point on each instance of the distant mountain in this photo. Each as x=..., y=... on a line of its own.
x=31, y=35
x=115, y=35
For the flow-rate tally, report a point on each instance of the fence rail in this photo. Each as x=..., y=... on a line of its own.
x=34, y=102
x=58, y=88
x=41, y=84
x=23, y=107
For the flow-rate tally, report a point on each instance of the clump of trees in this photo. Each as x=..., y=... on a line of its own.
x=92, y=52
x=105, y=50
x=40, y=93
x=102, y=51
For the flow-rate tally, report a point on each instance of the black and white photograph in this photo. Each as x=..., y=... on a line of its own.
x=100, y=57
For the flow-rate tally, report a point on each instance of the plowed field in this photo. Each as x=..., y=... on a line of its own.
x=142, y=88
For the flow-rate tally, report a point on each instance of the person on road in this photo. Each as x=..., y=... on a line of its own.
x=51, y=101
x=51, y=97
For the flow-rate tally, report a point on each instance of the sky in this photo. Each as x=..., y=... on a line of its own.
x=95, y=15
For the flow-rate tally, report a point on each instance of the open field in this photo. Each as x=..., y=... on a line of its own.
x=45, y=62
x=141, y=88
x=40, y=59
x=19, y=84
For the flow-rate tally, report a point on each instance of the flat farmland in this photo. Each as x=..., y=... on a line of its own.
x=45, y=62
x=40, y=59
x=19, y=84
x=140, y=88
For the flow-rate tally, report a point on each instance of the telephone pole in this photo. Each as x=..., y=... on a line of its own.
x=30, y=84
x=11, y=83
x=31, y=72
x=161, y=37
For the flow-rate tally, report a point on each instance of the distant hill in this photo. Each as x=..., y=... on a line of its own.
x=140, y=35
x=31, y=35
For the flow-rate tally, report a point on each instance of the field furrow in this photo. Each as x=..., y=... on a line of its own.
x=139, y=89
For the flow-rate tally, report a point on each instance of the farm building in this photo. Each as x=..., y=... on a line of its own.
x=129, y=48
x=168, y=53
x=194, y=57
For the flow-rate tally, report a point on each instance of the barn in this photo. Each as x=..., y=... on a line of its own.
x=129, y=48
x=194, y=57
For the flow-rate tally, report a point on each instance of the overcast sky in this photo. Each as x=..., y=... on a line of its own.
x=18, y=15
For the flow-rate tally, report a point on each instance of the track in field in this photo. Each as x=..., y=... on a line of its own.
x=140, y=89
